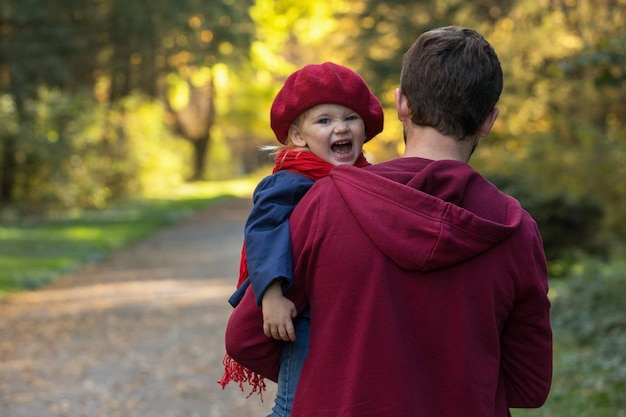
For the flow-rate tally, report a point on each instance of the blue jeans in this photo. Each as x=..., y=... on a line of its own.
x=291, y=362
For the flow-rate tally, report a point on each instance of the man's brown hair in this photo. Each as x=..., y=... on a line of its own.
x=452, y=79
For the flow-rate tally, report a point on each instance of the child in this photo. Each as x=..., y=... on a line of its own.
x=322, y=116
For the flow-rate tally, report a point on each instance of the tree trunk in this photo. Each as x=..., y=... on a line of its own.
x=8, y=165
x=194, y=123
x=8, y=158
x=200, y=148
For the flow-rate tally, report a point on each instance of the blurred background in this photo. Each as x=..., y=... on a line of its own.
x=105, y=100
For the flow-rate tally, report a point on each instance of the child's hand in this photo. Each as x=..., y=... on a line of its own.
x=278, y=312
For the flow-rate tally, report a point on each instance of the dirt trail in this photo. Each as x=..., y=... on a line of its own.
x=139, y=335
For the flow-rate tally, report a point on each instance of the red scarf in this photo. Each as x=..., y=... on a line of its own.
x=303, y=163
x=307, y=164
x=314, y=168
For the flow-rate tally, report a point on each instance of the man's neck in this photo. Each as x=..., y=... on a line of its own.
x=426, y=142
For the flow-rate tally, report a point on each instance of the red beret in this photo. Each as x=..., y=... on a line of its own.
x=325, y=83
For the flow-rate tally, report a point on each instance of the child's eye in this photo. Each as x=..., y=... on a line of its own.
x=352, y=117
x=324, y=120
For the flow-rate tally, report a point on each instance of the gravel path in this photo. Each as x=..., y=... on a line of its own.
x=138, y=335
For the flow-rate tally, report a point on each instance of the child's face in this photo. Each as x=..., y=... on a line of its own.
x=332, y=132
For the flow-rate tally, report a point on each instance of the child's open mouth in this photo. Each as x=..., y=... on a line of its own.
x=342, y=147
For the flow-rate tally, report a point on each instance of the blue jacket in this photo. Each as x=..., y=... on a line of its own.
x=266, y=233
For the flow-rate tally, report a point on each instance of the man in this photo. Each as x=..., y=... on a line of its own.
x=427, y=286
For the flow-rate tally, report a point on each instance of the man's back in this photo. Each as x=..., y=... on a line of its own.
x=421, y=304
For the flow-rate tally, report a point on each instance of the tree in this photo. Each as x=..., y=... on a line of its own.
x=41, y=44
x=153, y=43
x=562, y=109
x=112, y=48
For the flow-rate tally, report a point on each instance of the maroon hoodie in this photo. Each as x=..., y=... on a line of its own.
x=428, y=295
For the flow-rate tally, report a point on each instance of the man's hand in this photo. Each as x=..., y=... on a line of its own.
x=278, y=312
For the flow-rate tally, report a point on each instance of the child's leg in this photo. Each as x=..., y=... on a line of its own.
x=294, y=354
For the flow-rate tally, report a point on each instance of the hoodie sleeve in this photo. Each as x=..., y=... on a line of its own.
x=526, y=340
x=267, y=236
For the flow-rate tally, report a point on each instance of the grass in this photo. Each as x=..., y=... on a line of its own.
x=34, y=254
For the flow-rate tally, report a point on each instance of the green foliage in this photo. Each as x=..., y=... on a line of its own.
x=112, y=49
x=589, y=332
x=293, y=33
x=79, y=153
x=155, y=158
x=47, y=44
x=569, y=226
x=562, y=111
x=59, y=157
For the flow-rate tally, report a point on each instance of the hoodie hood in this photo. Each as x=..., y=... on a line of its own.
x=426, y=215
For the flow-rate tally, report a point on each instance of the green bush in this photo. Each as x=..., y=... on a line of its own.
x=74, y=152
x=590, y=334
x=569, y=225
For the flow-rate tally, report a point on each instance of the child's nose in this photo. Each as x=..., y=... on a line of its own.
x=341, y=126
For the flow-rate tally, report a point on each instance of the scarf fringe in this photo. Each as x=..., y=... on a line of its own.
x=239, y=374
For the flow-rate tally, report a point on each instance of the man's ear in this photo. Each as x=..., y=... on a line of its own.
x=402, y=106
x=296, y=137
x=487, y=124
